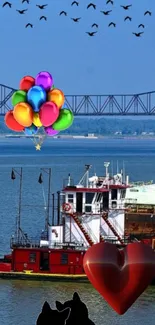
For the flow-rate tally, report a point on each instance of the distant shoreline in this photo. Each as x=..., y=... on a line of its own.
x=78, y=137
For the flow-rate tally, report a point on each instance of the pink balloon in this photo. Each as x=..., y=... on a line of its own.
x=48, y=113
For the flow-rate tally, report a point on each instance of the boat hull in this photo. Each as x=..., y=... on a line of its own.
x=44, y=277
x=80, y=278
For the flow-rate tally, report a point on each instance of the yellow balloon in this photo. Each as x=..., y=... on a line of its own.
x=36, y=120
x=56, y=96
x=23, y=114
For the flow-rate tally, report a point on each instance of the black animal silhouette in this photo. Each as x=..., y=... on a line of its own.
x=43, y=17
x=94, y=25
x=22, y=12
x=141, y=25
x=126, y=7
x=74, y=3
x=41, y=6
x=112, y=24
x=127, y=17
x=138, y=34
x=147, y=13
x=52, y=317
x=7, y=4
x=109, y=1
x=106, y=13
x=79, y=311
x=91, y=33
x=27, y=1
x=63, y=13
x=29, y=25
x=91, y=5
x=76, y=20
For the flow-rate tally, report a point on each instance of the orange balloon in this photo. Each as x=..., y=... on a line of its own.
x=56, y=96
x=23, y=114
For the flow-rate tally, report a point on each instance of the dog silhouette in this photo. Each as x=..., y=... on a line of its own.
x=52, y=317
x=79, y=311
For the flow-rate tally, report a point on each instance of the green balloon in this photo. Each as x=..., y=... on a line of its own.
x=19, y=97
x=64, y=120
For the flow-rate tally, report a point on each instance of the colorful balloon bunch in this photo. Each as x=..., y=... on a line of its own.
x=38, y=104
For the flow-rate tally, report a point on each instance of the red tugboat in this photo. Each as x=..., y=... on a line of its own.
x=98, y=208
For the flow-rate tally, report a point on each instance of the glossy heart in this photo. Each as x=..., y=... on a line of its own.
x=11, y=123
x=120, y=276
x=64, y=120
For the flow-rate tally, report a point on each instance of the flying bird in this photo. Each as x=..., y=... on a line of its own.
x=147, y=13
x=126, y=7
x=63, y=13
x=141, y=25
x=91, y=33
x=106, y=12
x=112, y=24
x=127, y=17
x=41, y=6
x=7, y=4
x=137, y=34
x=22, y=11
x=91, y=5
x=74, y=3
x=110, y=1
x=27, y=1
x=94, y=25
x=43, y=17
x=29, y=25
x=76, y=20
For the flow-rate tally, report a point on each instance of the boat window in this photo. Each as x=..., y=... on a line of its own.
x=32, y=257
x=64, y=258
x=70, y=198
x=123, y=194
x=89, y=198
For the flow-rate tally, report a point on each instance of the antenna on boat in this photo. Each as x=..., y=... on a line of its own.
x=69, y=179
x=123, y=172
x=85, y=177
x=18, y=220
x=87, y=174
x=117, y=167
x=106, y=165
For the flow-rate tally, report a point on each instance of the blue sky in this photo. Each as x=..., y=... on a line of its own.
x=112, y=62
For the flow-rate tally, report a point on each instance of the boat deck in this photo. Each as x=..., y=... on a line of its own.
x=29, y=275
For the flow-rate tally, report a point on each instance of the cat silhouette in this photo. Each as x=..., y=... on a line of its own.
x=79, y=311
x=52, y=317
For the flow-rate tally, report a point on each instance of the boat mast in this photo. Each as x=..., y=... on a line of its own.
x=18, y=220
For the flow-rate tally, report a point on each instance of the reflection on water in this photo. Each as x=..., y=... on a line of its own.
x=21, y=302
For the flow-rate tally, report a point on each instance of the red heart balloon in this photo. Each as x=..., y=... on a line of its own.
x=11, y=123
x=120, y=275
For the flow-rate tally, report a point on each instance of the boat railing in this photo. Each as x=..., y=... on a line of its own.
x=90, y=232
x=23, y=242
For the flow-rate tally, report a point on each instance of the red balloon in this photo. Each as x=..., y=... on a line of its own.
x=26, y=83
x=48, y=113
x=11, y=123
x=120, y=276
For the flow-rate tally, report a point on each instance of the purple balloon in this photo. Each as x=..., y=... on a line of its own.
x=49, y=131
x=45, y=80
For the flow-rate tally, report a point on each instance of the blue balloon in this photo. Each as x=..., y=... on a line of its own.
x=36, y=96
x=31, y=130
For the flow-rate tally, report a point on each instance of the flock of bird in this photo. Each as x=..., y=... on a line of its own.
x=77, y=19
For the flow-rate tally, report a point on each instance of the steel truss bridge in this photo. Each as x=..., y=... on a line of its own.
x=96, y=105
